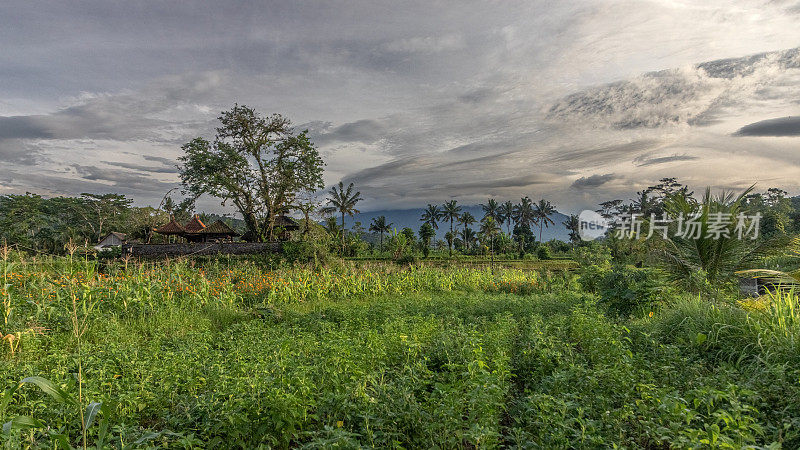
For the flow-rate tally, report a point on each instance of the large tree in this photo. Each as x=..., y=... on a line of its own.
x=426, y=233
x=103, y=210
x=256, y=162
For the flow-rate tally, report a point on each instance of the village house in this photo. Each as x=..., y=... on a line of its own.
x=111, y=240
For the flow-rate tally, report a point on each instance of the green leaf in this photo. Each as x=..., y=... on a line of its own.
x=61, y=439
x=91, y=412
x=7, y=398
x=21, y=423
x=50, y=389
x=700, y=338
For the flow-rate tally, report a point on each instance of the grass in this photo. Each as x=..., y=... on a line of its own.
x=378, y=356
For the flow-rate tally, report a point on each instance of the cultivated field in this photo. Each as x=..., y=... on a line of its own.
x=230, y=353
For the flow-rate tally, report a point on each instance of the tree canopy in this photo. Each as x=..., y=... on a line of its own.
x=256, y=162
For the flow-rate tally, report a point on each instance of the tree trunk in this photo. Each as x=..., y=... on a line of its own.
x=342, y=235
x=450, y=241
x=381, y=241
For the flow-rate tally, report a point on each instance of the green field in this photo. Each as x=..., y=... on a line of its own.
x=191, y=355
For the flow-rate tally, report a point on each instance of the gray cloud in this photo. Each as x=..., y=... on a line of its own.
x=119, y=178
x=513, y=182
x=593, y=181
x=18, y=151
x=600, y=154
x=784, y=126
x=663, y=160
x=689, y=96
x=365, y=131
x=144, y=168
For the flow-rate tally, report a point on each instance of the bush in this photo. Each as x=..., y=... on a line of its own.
x=543, y=252
x=624, y=289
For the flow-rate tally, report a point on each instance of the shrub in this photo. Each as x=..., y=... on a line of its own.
x=624, y=289
x=543, y=252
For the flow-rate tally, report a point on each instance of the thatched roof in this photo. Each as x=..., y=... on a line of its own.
x=219, y=228
x=171, y=227
x=286, y=222
x=195, y=225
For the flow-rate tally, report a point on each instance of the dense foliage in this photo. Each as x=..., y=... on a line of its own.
x=231, y=352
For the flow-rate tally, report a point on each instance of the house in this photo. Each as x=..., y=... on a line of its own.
x=284, y=225
x=197, y=231
x=171, y=228
x=111, y=240
x=217, y=232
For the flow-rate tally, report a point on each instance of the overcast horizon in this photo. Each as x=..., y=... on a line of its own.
x=415, y=103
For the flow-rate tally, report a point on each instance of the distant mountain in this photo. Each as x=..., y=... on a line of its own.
x=401, y=218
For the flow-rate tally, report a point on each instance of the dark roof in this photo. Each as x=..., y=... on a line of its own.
x=195, y=225
x=120, y=236
x=285, y=222
x=171, y=227
x=221, y=228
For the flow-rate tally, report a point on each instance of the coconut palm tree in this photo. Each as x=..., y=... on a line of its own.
x=489, y=229
x=524, y=214
x=491, y=209
x=450, y=212
x=543, y=210
x=379, y=225
x=343, y=201
x=432, y=215
x=468, y=237
x=466, y=219
x=506, y=211
x=572, y=223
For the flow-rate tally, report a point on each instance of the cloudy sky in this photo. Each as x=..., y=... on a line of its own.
x=415, y=102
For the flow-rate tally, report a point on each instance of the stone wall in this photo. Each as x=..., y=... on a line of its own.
x=198, y=249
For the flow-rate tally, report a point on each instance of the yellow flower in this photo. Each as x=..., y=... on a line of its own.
x=339, y=424
x=651, y=314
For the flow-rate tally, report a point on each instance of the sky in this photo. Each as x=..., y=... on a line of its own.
x=415, y=102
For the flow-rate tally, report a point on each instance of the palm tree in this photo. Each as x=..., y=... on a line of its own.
x=543, y=209
x=426, y=233
x=450, y=211
x=507, y=214
x=468, y=237
x=572, y=223
x=717, y=258
x=489, y=228
x=524, y=214
x=491, y=209
x=431, y=216
x=344, y=202
x=379, y=225
x=466, y=219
